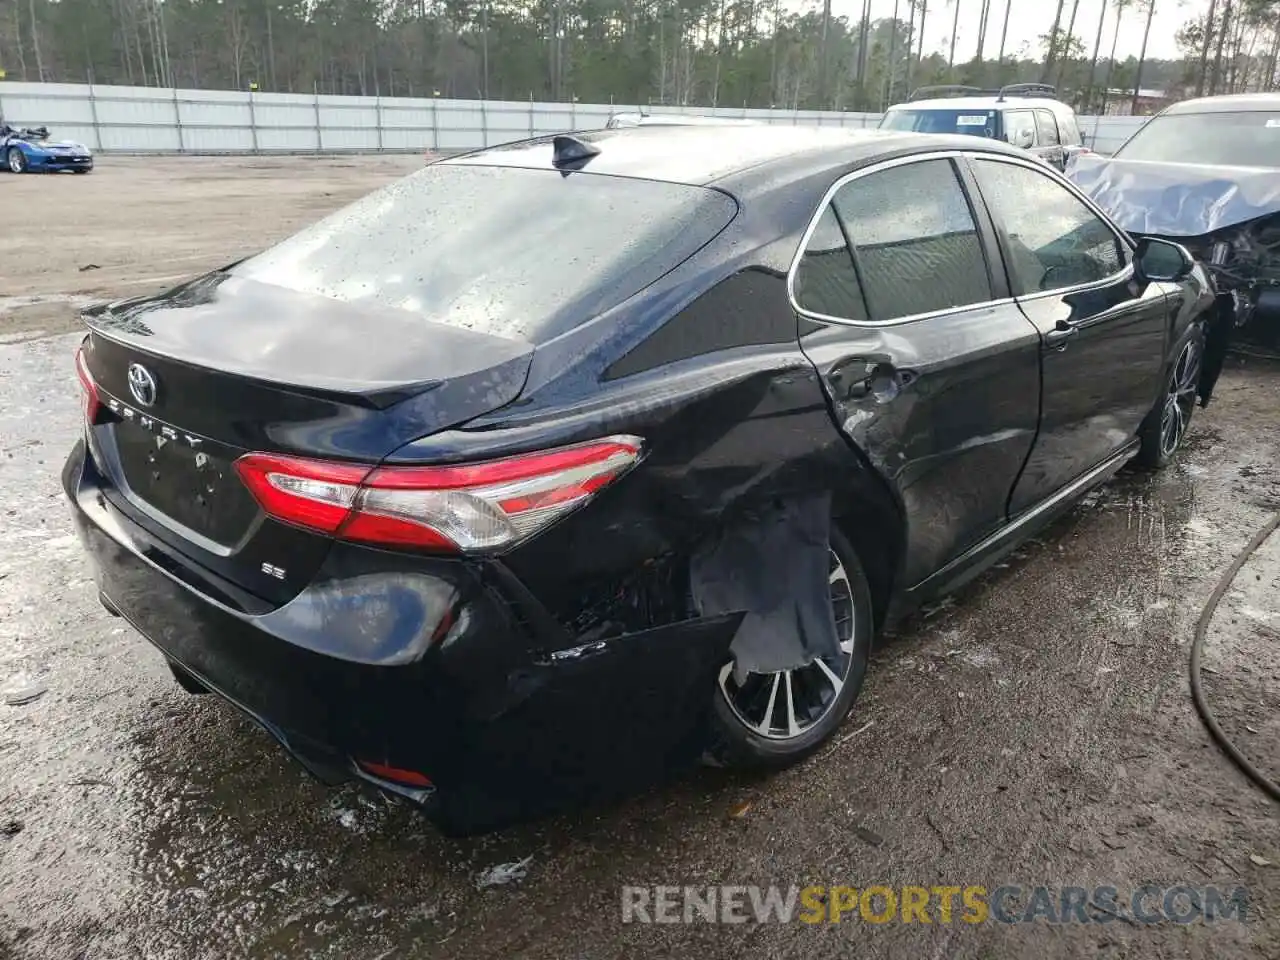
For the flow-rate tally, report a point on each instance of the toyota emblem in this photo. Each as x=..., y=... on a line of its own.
x=142, y=385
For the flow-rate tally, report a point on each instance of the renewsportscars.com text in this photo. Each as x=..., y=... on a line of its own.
x=971, y=904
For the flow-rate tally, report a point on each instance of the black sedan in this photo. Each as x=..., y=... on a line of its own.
x=554, y=465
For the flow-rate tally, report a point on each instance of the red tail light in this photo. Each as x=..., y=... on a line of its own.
x=474, y=507
x=92, y=402
x=409, y=778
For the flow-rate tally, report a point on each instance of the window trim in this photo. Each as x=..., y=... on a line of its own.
x=963, y=158
x=1124, y=273
x=1030, y=112
x=974, y=202
x=1053, y=121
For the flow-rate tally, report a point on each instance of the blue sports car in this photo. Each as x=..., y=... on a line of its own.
x=31, y=151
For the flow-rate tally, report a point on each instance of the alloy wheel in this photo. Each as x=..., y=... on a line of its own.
x=1180, y=401
x=786, y=704
x=15, y=160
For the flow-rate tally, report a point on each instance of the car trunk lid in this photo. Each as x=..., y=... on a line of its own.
x=193, y=379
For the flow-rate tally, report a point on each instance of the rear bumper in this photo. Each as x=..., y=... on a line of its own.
x=420, y=664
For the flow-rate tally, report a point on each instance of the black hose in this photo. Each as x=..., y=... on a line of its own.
x=1197, y=645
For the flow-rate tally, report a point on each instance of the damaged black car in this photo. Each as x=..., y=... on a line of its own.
x=1206, y=173
x=554, y=466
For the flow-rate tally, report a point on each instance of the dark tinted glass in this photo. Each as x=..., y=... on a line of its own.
x=917, y=248
x=1249, y=139
x=523, y=254
x=1056, y=240
x=826, y=282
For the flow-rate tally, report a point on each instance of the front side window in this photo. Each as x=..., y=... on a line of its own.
x=1235, y=139
x=1020, y=128
x=914, y=240
x=1046, y=129
x=1055, y=240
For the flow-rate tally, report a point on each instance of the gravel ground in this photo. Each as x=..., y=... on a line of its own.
x=1035, y=729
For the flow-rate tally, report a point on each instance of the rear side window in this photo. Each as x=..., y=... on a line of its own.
x=1070, y=130
x=1046, y=129
x=518, y=253
x=914, y=240
x=826, y=282
x=1055, y=240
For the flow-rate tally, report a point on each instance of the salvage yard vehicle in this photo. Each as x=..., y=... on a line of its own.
x=643, y=118
x=1027, y=115
x=29, y=150
x=1206, y=173
x=556, y=465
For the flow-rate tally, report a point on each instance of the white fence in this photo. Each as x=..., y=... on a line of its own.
x=152, y=120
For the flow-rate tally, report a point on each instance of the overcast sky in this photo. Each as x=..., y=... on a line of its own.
x=1031, y=19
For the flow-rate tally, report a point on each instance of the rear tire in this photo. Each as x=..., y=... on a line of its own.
x=16, y=160
x=774, y=720
x=1165, y=427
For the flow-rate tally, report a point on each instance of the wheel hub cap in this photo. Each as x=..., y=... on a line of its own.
x=1180, y=400
x=783, y=705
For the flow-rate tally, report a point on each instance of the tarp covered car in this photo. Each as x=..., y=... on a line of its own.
x=29, y=150
x=1206, y=173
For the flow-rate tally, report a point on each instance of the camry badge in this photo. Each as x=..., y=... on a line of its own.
x=142, y=384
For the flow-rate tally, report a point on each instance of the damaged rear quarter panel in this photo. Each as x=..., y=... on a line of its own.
x=707, y=369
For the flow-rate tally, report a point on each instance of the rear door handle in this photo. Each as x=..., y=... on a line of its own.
x=1056, y=339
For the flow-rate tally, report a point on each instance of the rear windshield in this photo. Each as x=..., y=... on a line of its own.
x=1244, y=139
x=518, y=253
x=976, y=122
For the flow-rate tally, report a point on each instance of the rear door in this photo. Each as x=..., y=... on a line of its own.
x=1103, y=333
x=1049, y=140
x=929, y=368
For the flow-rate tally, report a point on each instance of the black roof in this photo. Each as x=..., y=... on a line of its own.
x=1235, y=103
x=710, y=154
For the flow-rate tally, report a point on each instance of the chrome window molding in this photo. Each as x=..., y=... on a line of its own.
x=1034, y=165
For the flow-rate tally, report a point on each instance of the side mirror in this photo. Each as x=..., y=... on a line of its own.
x=1163, y=260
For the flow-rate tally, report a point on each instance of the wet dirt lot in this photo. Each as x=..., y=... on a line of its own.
x=1035, y=729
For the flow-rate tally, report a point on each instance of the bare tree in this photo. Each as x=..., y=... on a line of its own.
x=1142, y=57
x=1093, y=60
x=1204, y=48
x=1004, y=31
x=1051, y=54
x=891, y=71
x=1223, y=29
x=955, y=28
x=35, y=42
x=1071, y=32
x=1120, y=6
x=982, y=29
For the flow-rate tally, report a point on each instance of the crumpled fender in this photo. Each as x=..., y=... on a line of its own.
x=773, y=567
x=1175, y=199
